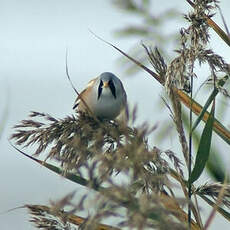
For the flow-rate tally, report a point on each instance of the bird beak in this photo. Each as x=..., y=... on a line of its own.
x=105, y=84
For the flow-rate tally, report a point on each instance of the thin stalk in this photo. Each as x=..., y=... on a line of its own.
x=183, y=184
x=190, y=157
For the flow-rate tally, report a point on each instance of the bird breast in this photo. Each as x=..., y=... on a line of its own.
x=107, y=106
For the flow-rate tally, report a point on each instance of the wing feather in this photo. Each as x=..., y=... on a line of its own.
x=89, y=85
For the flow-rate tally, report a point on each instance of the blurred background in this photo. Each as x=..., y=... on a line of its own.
x=34, y=37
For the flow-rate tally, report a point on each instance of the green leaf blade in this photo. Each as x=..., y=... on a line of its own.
x=203, y=149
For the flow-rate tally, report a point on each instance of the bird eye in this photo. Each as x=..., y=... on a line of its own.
x=112, y=88
x=99, y=90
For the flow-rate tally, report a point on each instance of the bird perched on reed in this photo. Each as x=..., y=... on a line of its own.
x=104, y=97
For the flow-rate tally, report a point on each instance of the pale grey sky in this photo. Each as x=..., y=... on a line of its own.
x=34, y=37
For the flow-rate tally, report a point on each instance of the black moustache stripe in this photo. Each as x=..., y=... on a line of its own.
x=99, y=90
x=112, y=88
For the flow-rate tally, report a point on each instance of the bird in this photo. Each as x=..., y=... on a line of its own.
x=104, y=97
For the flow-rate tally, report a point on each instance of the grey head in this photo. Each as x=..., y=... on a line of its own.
x=108, y=79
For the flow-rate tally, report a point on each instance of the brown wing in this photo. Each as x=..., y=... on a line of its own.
x=78, y=100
